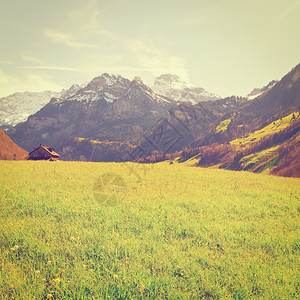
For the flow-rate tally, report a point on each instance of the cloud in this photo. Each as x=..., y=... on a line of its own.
x=288, y=10
x=48, y=67
x=90, y=14
x=39, y=64
x=189, y=21
x=6, y=62
x=156, y=60
x=108, y=34
x=33, y=82
x=90, y=18
x=201, y=12
x=65, y=39
x=32, y=59
x=97, y=63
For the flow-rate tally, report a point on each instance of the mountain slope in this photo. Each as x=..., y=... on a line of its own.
x=279, y=101
x=259, y=91
x=282, y=98
x=9, y=150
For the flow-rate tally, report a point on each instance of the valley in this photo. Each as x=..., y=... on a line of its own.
x=149, y=150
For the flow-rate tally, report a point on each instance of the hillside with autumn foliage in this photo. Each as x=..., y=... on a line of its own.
x=9, y=150
x=260, y=136
x=274, y=153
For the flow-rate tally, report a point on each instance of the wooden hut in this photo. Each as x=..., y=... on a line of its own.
x=43, y=153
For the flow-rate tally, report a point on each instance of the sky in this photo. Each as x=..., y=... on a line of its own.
x=227, y=47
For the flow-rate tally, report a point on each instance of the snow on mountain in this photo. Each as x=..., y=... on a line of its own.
x=18, y=107
x=107, y=87
x=113, y=87
x=173, y=87
x=259, y=91
x=65, y=94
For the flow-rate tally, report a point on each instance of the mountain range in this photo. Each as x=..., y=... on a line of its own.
x=115, y=119
x=16, y=108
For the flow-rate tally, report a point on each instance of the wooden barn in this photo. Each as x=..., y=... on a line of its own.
x=43, y=153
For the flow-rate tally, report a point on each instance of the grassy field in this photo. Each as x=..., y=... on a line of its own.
x=179, y=233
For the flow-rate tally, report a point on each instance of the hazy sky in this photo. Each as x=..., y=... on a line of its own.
x=225, y=46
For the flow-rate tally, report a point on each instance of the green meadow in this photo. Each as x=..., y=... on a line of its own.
x=179, y=232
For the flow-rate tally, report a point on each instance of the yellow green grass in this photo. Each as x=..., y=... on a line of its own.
x=268, y=130
x=260, y=159
x=81, y=139
x=193, y=161
x=179, y=233
x=224, y=125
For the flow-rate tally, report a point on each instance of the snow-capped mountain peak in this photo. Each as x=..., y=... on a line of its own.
x=107, y=87
x=167, y=81
x=71, y=91
x=113, y=88
x=173, y=87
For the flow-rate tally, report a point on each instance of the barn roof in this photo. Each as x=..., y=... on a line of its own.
x=48, y=149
